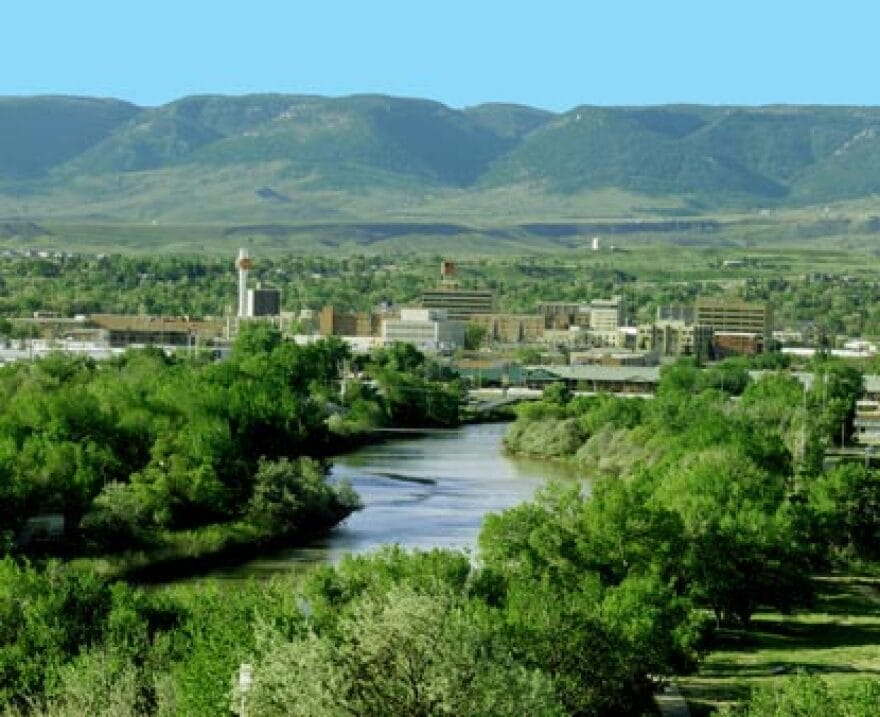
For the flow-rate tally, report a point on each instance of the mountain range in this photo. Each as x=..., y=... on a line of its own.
x=296, y=157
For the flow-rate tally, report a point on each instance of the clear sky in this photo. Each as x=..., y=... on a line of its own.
x=554, y=54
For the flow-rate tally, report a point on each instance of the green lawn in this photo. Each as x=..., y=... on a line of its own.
x=839, y=639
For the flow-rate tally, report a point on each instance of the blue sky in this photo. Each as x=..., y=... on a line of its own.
x=554, y=54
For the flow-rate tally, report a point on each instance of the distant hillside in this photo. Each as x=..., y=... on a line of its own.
x=719, y=154
x=232, y=158
x=337, y=139
x=38, y=134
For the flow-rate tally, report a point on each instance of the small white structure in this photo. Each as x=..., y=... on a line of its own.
x=595, y=244
x=861, y=346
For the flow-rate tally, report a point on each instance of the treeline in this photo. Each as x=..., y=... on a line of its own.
x=143, y=450
x=727, y=499
x=547, y=623
x=829, y=304
x=392, y=634
x=579, y=603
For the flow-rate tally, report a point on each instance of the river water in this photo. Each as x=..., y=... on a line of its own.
x=418, y=492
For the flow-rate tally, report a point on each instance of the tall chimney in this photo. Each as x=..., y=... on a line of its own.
x=243, y=264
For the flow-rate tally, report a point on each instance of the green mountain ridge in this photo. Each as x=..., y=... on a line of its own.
x=209, y=155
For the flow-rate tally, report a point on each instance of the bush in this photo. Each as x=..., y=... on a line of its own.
x=290, y=495
x=808, y=696
x=117, y=518
x=551, y=438
x=846, y=501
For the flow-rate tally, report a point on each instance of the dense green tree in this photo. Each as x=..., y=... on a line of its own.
x=399, y=653
x=846, y=504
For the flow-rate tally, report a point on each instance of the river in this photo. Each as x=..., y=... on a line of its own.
x=418, y=492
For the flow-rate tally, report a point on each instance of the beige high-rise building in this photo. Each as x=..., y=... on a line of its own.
x=743, y=322
x=735, y=316
x=607, y=314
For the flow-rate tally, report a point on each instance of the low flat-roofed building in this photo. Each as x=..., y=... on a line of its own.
x=612, y=357
x=572, y=337
x=607, y=338
x=121, y=331
x=676, y=312
x=637, y=380
x=871, y=383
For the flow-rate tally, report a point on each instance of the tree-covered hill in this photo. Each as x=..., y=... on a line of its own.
x=723, y=153
x=40, y=133
x=217, y=154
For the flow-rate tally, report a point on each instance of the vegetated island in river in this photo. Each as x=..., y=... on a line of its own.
x=154, y=466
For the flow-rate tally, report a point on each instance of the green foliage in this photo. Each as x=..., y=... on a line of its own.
x=474, y=336
x=729, y=376
x=837, y=385
x=399, y=653
x=589, y=595
x=293, y=496
x=549, y=437
x=846, y=503
x=406, y=393
x=806, y=696
x=44, y=619
x=146, y=443
x=557, y=394
x=719, y=473
x=117, y=518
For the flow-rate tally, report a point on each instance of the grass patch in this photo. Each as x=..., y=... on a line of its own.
x=839, y=639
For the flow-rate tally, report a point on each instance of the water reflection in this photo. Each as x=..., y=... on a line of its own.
x=425, y=492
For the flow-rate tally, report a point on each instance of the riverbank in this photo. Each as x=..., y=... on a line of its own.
x=420, y=490
x=167, y=555
x=184, y=554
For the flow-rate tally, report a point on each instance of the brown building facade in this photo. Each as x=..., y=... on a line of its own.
x=510, y=328
x=733, y=316
x=349, y=323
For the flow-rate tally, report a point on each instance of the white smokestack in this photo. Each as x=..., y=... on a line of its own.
x=243, y=263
